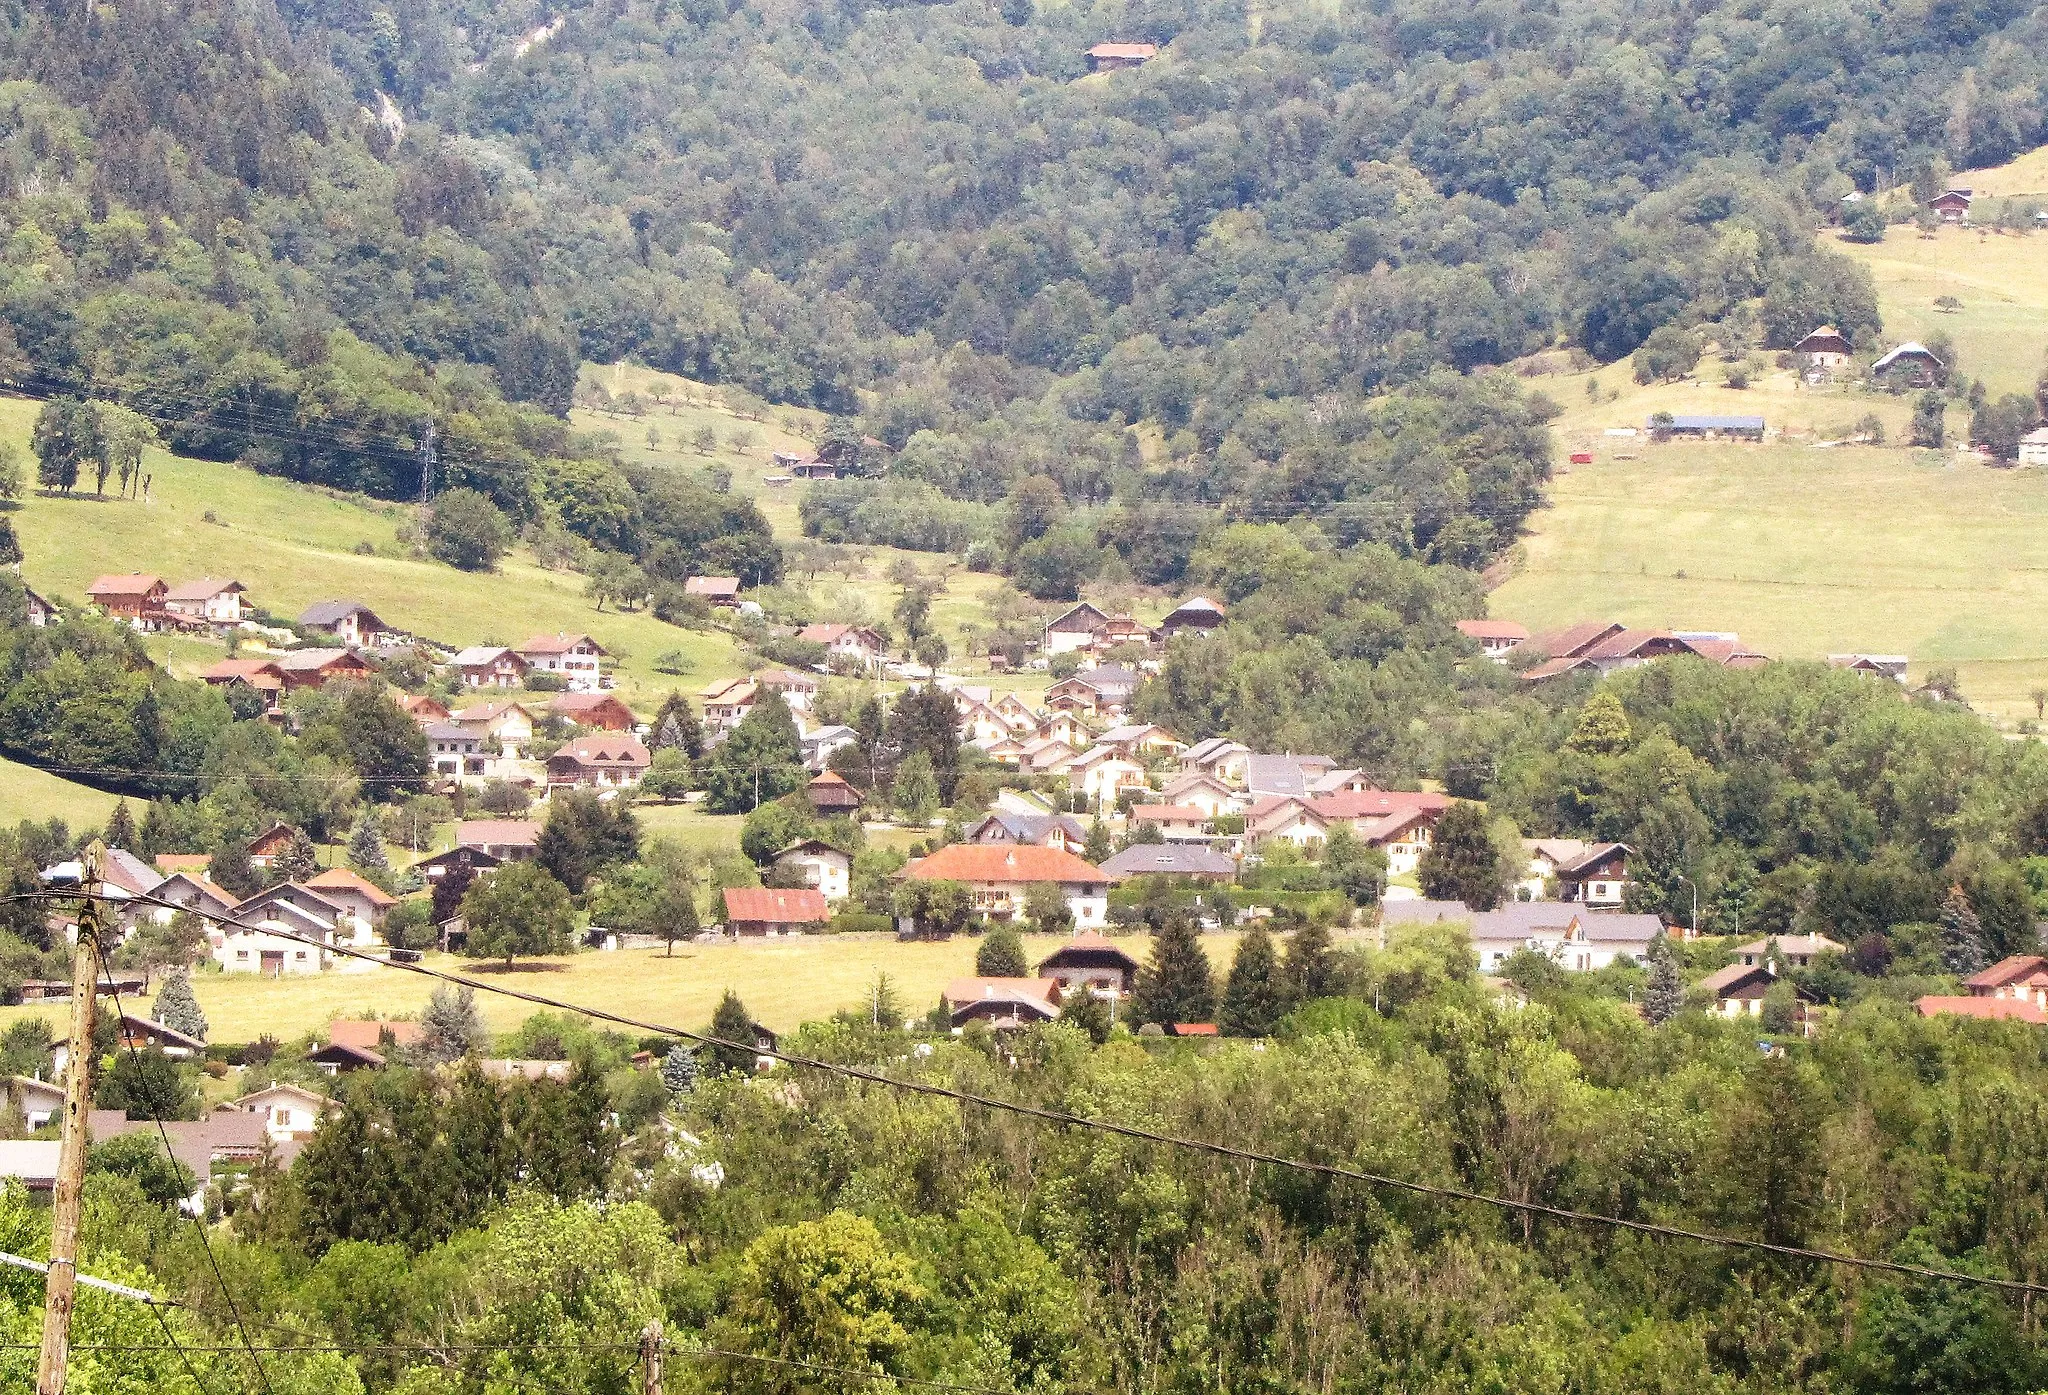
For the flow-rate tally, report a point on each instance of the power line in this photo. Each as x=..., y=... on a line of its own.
x=1064, y=1119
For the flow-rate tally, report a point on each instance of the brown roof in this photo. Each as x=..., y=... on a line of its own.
x=1573, y=640
x=342, y=879
x=168, y=863
x=2010, y=969
x=1625, y=643
x=569, y=704
x=1003, y=862
x=257, y=673
x=1725, y=981
x=132, y=584
x=1997, y=1009
x=712, y=586
x=1086, y=945
x=475, y=833
x=1376, y=804
x=962, y=991
x=611, y=750
x=1492, y=629
x=364, y=1036
x=799, y=906
x=557, y=643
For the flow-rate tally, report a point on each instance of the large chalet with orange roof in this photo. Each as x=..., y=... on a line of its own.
x=998, y=877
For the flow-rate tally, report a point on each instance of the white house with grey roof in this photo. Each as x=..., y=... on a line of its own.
x=1577, y=939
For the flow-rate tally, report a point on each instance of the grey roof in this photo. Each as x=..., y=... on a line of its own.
x=1277, y=775
x=479, y=655
x=1209, y=749
x=1031, y=828
x=309, y=659
x=1109, y=678
x=1423, y=912
x=1686, y=422
x=818, y=736
x=1169, y=859
x=451, y=731
x=1913, y=349
x=334, y=612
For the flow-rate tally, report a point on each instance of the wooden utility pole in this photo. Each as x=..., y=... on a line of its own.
x=62, y=1279
x=650, y=1359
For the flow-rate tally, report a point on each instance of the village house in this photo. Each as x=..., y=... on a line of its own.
x=266, y=845
x=441, y=864
x=717, y=590
x=2016, y=978
x=315, y=668
x=1101, y=774
x=339, y=1058
x=208, y=600
x=1204, y=792
x=1140, y=741
x=1045, y=756
x=1073, y=630
x=2033, y=451
x=1826, y=349
x=1109, y=58
x=599, y=711
x=1990, y=1009
x=1496, y=638
x=1687, y=426
x=576, y=659
x=261, y=676
x=1107, y=688
x=194, y=893
x=727, y=702
x=304, y=903
x=1197, y=615
x=825, y=869
x=420, y=707
x=798, y=690
x=34, y=1102
x=819, y=743
x=289, y=1112
x=1005, y=1004
x=759, y=910
x=1175, y=822
x=137, y=1033
x=998, y=877
x=1199, y=861
x=351, y=622
x=489, y=666
x=1576, y=939
x=510, y=724
x=1892, y=666
x=41, y=613
x=1063, y=727
x=1089, y=963
x=1285, y=775
x=254, y=946
x=219, y=1141
x=355, y=893
x=1738, y=989
x=1286, y=819
x=857, y=645
x=372, y=1034
x=1794, y=951
x=135, y=597
x=456, y=751
x=1219, y=758
x=831, y=794
x=982, y=727
x=1061, y=831
x=604, y=761
x=1912, y=363
x=1951, y=205
x=506, y=840
x=1597, y=878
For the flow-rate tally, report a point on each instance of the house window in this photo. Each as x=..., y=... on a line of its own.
x=241, y=954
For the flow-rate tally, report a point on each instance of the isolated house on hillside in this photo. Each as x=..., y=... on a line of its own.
x=209, y=599
x=718, y=590
x=135, y=597
x=1951, y=205
x=576, y=659
x=351, y=622
x=2034, y=447
x=1912, y=364
x=1003, y=1003
x=759, y=910
x=1073, y=629
x=489, y=666
x=1826, y=348
x=41, y=613
x=1196, y=615
x=856, y=644
x=1689, y=426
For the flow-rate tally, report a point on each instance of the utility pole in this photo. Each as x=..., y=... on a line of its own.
x=62, y=1279
x=650, y=1358
x=427, y=460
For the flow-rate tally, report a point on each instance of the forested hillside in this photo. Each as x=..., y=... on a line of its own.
x=300, y=234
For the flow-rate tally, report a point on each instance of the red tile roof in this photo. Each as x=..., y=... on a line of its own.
x=1004, y=862
x=801, y=906
x=1999, y=1009
x=557, y=643
x=612, y=750
x=1374, y=804
x=1123, y=51
x=518, y=833
x=364, y=1036
x=1167, y=813
x=342, y=879
x=2010, y=969
x=1573, y=640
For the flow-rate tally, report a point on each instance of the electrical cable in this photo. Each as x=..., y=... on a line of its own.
x=1063, y=1119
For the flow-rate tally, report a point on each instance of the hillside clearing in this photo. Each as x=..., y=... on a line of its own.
x=28, y=793
x=2001, y=279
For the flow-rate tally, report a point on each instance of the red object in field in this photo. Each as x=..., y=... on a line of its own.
x=1582, y=457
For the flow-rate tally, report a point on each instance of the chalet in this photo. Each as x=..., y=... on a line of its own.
x=981, y=726
x=798, y=690
x=1063, y=727
x=351, y=622
x=1826, y=348
x=219, y=1140
x=1109, y=58
x=1496, y=638
x=831, y=794
x=456, y=751
x=140, y=1033
x=34, y=1102
x=195, y=894
x=489, y=666
x=1104, y=688
x=1990, y=1009
x=1198, y=615
x=1089, y=962
x=2033, y=451
x=506, y=840
x=2016, y=978
x=209, y=600
x=441, y=864
x=1003, y=1003
x=261, y=676
x=1219, y=758
x=599, y=762
x=1046, y=757
x=1794, y=951
x=1102, y=775
x=998, y=877
x=1577, y=939
x=1204, y=792
x=757, y=910
x=1178, y=822
x=1073, y=629
x=1892, y=666
x=1951, y=206
x=357, y=894
x=1701, y=427
x=1597, y=878
x=289, y=1112
x=1122, y=629
x=1290, y=775
x=314, y=668
x=717, y=590
x=576, y=659
x=1738, y=990
x=1911, y=363
x=600, y=711
x=41, y=614
x=727, y=702
x=339, y=1058
x=265, y=846
x=1200, y=861
x=510, y=724
x=135, y=597
x=1286, y=818
x=826, y=869
x=421, y=708
x=1622, y=648
x=1140, y=741
x=819, y=743
x=1015, y=712
x=857, y=644
x=1060, y=831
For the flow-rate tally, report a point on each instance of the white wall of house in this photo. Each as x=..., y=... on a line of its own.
x=253, y=950
x=830, y=873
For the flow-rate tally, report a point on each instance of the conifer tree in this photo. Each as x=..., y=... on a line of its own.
x=231, y=870
x=1097, y=848
x=366, y=850
x=298, y=861
x=451, y=1027
x=1962, y=936
x=121, y=828
x=676, y=727
x=177, y=1009
x=1311, y=970
x=1665, y=992
x=1254, y=998
x=1462, y=862
x=1001, y=954
x=1177, y=984
x=481, y=1158
x=450, y=888
x=1090, y=1013
x=731, y=1023
x=679, y=1070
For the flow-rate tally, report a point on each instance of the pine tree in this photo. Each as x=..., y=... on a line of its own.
x=731, y=1023
x=1001, y=954
x=481, y=1161
x=1254, y=998
x=679, y=1070
x=231, y=870
x=451, y=1027
x=121, y=828
x=1665, y=993
x=1462, y=862
x=676, y=727
x=1311, y=970
x=299, y=860
x=177, y=1009
x=1096, y=849
x=1176, y=985
x=1962, y=936
x=366, y=850
x=449, y=889
x=1603, y=728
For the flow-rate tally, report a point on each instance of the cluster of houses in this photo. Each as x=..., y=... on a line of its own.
x=1604, y=646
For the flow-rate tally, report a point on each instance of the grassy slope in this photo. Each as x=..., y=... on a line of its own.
x=2001, y=333
x=28, y=793
x=784, y=983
